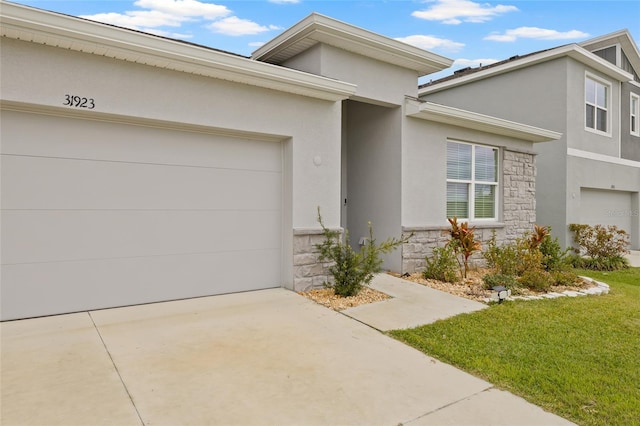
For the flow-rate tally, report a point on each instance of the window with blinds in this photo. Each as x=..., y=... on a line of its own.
x=472, y=181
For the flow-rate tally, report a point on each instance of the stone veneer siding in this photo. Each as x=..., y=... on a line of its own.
x=518, y=214
x=308, y=272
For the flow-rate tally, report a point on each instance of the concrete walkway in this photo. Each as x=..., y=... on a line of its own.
x=256, y=358
x=412, y=305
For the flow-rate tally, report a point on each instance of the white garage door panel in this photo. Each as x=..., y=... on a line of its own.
x=64, y=137
x=56, y=287
x=98, y=214
x=605, y=207
x=50, y=236
x=46, y=183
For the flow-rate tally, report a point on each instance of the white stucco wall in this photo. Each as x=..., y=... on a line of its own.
x=373, y=173
x=577, y=136
x=309, y=128
x=424, y=161
x=378, y=82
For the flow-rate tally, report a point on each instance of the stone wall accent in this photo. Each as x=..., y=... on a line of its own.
x=518, y=215
x=519, y=193
x=422, y=241
x=308, y=272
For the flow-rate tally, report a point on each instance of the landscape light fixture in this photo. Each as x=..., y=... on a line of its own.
x=500, y=293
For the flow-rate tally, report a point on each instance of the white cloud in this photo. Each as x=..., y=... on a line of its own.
x=175, y=13
x=535, y=33
x=427, y=42
x=257, y=44
x=138, y=19
x=169, y=34
x=186, y=8
x=235, y=26
x=455, y=12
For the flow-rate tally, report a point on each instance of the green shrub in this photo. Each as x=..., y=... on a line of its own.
x=536, y=280
x=553, y=257
x=564, y=277
x=352, y=270
x=494, y=280
x=599, y=241
x=534, y=261
x=502, y=259
x=599, y=264
x=442, y=265
x=529, y=259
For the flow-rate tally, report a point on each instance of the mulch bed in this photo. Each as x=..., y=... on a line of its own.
x=470, y=288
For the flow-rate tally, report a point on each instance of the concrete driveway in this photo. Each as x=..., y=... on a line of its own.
x=258, y=358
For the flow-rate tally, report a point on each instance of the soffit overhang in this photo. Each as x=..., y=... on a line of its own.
x=68, y=32
x=471, y=120
x=318, y=28
x=572, y=51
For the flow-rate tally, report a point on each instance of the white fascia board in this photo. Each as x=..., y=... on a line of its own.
x=573, y=51
x=48, y=28
x=318, y=28
x=572, y=152
x=472, y=120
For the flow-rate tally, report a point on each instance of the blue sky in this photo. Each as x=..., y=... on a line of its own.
x=469, y=32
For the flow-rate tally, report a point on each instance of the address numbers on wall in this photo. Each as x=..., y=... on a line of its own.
x=78, y=102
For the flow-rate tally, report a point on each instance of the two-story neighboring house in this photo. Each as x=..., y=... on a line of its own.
x=589, y=92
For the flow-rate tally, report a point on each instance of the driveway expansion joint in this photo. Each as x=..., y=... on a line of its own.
x=113, y=363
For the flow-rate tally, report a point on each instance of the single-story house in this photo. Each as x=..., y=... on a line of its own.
x=136, y=168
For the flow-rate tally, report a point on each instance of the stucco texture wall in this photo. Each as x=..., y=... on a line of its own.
x=424, y=188
x=309, y=128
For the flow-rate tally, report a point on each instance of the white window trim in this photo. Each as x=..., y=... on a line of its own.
x=609, y=87
x=473, y=182
x=635, y=114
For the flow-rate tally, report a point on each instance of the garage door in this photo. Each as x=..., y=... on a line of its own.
x=98, y=214
x=606, y=207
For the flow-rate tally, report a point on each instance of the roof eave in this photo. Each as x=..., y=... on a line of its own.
x=49, y=28
x=318, y=28
x=572, y=50
x=458, y=117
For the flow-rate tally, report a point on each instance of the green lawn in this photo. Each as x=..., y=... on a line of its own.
x=576, y=357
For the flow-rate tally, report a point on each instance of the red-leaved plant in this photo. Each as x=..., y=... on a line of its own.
x=463, y=243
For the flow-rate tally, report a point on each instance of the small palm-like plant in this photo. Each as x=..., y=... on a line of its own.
x=538, y=236
x=463, y=243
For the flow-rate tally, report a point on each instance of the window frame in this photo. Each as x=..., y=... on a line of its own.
x=472, y=182
x=608, y=93
x=634, y=114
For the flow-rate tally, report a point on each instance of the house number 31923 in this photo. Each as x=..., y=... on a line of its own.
x=78, y=102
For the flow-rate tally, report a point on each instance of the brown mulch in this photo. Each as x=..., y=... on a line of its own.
x=472, y=287
x=326, y=297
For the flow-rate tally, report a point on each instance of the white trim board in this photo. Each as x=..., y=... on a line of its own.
x=68, y=32
x=572, y=152
x=472, y=120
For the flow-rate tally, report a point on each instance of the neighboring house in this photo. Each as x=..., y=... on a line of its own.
x=589, y=92
x=136, y=168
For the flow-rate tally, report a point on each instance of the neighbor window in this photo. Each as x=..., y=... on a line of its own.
x=597, y=105
x=635, y=114
x=472, y=181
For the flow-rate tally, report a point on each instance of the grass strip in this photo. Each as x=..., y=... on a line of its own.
x=576, y=357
